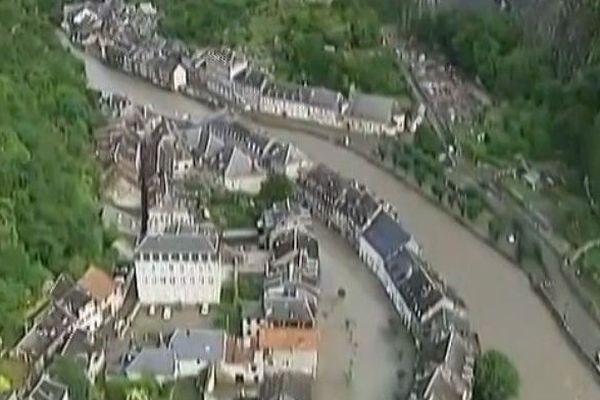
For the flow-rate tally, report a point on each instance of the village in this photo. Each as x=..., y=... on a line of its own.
x=231, y=313
x=219, y=297
x=125, y=37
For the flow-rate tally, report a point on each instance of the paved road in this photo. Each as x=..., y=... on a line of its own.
x=503, y=308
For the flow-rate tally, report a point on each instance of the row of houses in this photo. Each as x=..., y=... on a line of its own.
x=70, y=325
x=145, y=147
x=430, y=309
x=125, y=37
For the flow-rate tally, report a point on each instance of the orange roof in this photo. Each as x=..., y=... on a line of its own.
x=98, y=283
x=288, y=338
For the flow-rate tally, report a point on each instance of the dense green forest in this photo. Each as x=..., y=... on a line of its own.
x=544, y=112
x=336, y=45
x=49, y=219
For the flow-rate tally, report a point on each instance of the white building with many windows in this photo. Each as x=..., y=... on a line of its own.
x=178, y=268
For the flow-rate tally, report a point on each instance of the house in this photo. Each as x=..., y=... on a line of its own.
x=322, y=189
x=237, y=170
x=282, y=216
x=249, y=86
x=168, y=212
x=373, y=114
x=288, y=101
x=294, y=270
x=325, y=106
x=126, y=221
x=157, y=362
x=106, y=291
x=290, y=336
x=196, y=349
x=284, y=158
x=447, y=370
x=223, y=64
x=252, y=319
x=286, y=386
x=49, y=389
x=179, y=77
x=384, y=238
x=354, y=212
x=242, y=362
x=89, y=354
x=182, y=267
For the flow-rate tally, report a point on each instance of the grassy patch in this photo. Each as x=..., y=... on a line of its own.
x=13, y=370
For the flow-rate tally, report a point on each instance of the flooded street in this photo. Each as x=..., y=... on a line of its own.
x=503, y=309
x=376, y=351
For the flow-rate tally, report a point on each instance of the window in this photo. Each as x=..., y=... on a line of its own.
x=172, y=281
x=165, y=256
x=204, y=257
x=194, y=256
x=253, y=367
x=155, y=257
x=163, y=280
x=146, y=256
x=185, y=257
x=175, y=256
x=137, y=256
x=239, y=378
x=170, y=267
x=192, y=281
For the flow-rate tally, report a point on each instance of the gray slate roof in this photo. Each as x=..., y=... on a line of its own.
x=176, y=243
x=154, y=361
x=289, y=309
x=370, y=107
x=203, y=344
x=386, y=235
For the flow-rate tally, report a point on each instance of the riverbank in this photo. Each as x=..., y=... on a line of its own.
x=503, y=309
x=578, y=344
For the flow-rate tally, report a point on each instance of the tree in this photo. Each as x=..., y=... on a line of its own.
x=277, y=187
x=495, y=377
x=71, y=374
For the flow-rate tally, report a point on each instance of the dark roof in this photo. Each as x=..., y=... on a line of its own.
x=326, y=183
x=286, y=387
x=75, y=299
x=289, y=309
x=176, y=243
x=386, y=235
x=359, y=205
x=419, y=292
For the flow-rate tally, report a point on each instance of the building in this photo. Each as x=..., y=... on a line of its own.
x=290, y=336
x=104, y=290
x=447, y=370
x=242, y=362
x=354, y=212
x=286, y=386
x=170, y=211
x=188, y=353
x=178, y=268
x=49, y=389
x=249, y=87
x=222, y=64
x=373, y=114
x=237, y=170
x=86, y=352
x=322, y=189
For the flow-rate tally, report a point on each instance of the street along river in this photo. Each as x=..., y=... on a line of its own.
x=503, y=308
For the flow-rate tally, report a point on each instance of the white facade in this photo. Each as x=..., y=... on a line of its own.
x=179, y=77
x=248, y=183
x=286, y=108
x=162, y=217
x=290, y=360
x=174, y=271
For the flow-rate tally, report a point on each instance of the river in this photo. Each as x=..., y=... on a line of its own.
x=503, y=308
